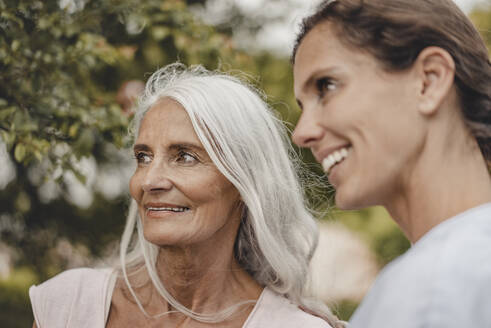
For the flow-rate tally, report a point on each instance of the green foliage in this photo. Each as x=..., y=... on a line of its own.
x=481, y=16
x=344, y=309
x=57, y=86
x=48, y=95
x=14, y=299
x=377, y=228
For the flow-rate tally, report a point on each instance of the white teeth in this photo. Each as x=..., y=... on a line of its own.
x=334, y=158
x=172, y=209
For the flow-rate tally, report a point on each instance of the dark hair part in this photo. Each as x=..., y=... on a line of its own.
x=396, y=31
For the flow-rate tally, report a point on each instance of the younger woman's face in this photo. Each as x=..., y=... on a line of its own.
x=358, y=120
x=182, y=197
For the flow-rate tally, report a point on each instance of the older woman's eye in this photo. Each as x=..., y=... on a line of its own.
x=186, y=158
x=324, y=85
x=143, y=158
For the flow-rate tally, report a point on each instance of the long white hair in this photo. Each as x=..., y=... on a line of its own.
x=251, y=148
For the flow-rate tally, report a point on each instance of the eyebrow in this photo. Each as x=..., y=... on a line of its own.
x=319, y=73
x=186, y=145
x=181, y=145
x=141, y=147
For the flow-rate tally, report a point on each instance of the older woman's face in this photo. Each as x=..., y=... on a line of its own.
x=358, y=120
x=182, y=197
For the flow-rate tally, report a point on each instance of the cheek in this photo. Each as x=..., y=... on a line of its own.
x=219, y=201
x=135, y=187
x=216, y=197
x=203, y=186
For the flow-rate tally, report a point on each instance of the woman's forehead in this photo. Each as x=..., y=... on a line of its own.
x=169, y=120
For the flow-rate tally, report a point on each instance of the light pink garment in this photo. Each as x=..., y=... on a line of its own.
x=78, y=299
x=74, y=298
x=275, y=311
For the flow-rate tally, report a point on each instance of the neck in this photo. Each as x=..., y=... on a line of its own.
x=205, y=280
x=450, y=177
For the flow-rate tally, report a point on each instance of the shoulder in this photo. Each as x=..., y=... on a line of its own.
x=453, y=255
x=276, y=311
x=462, y=274
x=71, y=278
x=71, y=283
x=76, y=290
x=444, y=280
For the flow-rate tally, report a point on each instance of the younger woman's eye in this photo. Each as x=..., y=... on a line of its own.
x=324, y=85
x=186, y=158
x=143, y=158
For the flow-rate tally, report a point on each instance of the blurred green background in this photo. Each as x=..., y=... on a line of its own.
x=64, y=115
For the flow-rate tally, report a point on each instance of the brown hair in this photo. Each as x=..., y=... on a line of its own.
x=396, y=31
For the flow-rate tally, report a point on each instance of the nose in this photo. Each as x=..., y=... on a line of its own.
x=156, y=179
x=308, y=130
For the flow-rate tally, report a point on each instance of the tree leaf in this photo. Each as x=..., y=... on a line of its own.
x=20, y=152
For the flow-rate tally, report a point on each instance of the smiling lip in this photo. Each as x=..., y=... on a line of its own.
x=159, y=209
x=320, y=156
x=333, y=156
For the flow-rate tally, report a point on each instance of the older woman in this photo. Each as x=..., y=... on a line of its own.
x=396, y=105
x=223, y=237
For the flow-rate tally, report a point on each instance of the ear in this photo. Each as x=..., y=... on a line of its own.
x=435, y=69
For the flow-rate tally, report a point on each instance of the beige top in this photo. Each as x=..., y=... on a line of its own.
x=80, y=298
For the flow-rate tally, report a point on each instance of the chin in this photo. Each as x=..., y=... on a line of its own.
x=158, y=240
x=160, y=237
